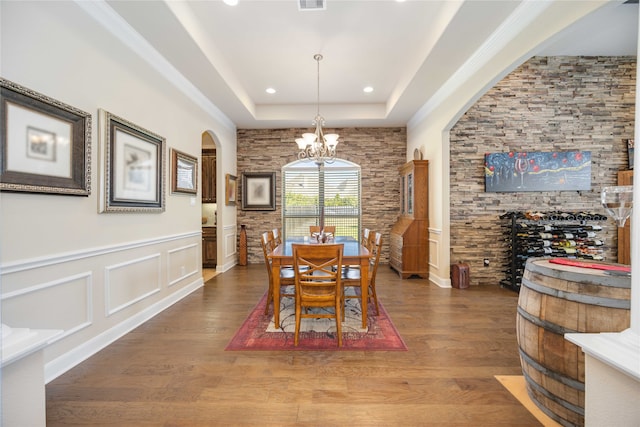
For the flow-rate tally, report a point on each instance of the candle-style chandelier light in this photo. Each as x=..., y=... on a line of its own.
x=317, y=146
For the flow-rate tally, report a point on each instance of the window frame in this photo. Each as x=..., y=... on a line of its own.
x=348, y=220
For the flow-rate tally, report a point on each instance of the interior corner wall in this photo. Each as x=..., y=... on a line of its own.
x=380, y=152
x=547, y=104
x=64, y=265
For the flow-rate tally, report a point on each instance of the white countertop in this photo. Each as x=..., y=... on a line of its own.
x=20, y=342
x=620, y=350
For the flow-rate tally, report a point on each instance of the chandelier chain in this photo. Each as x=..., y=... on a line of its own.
x=317, y=146
x=318, y=58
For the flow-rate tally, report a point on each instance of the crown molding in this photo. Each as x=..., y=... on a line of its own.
x=119, y=28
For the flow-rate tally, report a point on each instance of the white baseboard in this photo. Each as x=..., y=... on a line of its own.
x=221, y=268
x=439, y=281
x=63, y=363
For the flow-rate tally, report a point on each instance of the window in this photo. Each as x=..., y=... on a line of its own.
x=308, y=190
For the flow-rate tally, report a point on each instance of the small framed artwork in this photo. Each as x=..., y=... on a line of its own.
x=630, y=143
x=133, y=162
x=45, y=144
x=184, y=173
x=231, y=190
x=259, y=191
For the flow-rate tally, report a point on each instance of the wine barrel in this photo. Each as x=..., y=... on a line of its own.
x=556, y=299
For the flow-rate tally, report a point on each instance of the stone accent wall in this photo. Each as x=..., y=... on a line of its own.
x=547, y=104
x=379, y=151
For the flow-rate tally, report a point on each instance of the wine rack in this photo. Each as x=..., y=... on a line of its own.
x=549, y=234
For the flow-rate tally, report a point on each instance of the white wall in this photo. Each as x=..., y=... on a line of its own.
x=64, y=265
x=531, y=25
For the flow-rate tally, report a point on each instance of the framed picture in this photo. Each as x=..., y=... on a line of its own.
x=184, y=173
x=630, y=143
x=133, y=160
x=231, y=190
x=45, y=144
x=259, y=191
x=537, y=171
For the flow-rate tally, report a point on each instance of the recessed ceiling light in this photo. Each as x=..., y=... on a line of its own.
x=368, y=89
x=270, y=90
x=231, y=2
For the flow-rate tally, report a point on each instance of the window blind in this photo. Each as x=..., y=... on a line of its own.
x=309, y=189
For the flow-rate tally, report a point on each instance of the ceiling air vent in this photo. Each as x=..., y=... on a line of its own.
x=312, y=5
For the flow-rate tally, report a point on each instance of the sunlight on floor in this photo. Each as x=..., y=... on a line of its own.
x=208, y=273
x=515, y=384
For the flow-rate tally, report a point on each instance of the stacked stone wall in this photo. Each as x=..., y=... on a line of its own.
x=548, y=104
x=379, y=151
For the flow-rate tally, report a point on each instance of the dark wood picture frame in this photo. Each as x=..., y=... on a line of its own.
x=133, y=162
x=259, y=191
x=184, y=172
x=45, y=144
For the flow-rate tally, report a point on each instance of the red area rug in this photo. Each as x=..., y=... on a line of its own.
x=253, y=335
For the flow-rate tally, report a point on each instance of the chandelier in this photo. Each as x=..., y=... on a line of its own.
x=317, y=146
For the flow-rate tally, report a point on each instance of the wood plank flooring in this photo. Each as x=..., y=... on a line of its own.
x=173, y=370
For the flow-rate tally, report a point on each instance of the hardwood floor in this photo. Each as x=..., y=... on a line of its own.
x=173, y=370
x=208, y=273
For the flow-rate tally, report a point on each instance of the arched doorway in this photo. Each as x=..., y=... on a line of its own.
x=209, y=206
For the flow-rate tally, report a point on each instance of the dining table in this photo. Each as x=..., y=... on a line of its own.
x=353, y=254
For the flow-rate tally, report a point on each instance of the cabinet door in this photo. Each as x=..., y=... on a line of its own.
x=410, y=193
x=403, y=197
x=209, y=179
x=209, y=250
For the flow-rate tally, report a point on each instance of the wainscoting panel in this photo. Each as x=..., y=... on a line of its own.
x=435, y=267
x=182, y=263
x=97, y=294
x=230, y=241
x=434, y=246
x=129, y=282
x=64, y=303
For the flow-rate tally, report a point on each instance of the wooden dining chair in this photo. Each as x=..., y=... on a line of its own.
x=287, y=277
x=277, y=236
x=367, y=239
x=318, y=284
x=351, y=276
x=327, y=229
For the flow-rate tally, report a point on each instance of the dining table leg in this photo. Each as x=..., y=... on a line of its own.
x=364, y=288
x=275, y=270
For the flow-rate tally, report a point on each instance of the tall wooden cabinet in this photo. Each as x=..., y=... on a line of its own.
x=208, y=175
x=624, y=233
x=409, y=241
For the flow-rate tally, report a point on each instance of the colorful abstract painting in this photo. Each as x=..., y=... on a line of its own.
x=537, y=171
